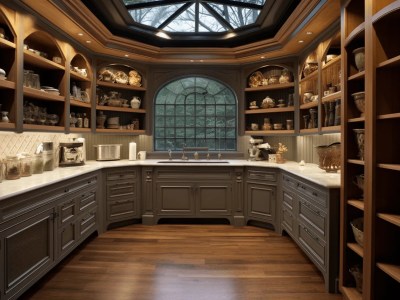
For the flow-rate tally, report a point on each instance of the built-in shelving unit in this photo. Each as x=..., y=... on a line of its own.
x=370, y=23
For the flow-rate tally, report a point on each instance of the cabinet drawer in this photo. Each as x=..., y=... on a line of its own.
x=122, y=175
x=287, y=218
x=312, y=245
x=86, y=201
x=314, y=216
x=87, y=222
x=288, y=199
x=261, y=175
x=121, y=208
x=67, y=211
x=121, y=188
x=315, y=195
x=289, y=182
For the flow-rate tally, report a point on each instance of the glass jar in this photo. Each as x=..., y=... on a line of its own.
x=26, y=165
x=2, y=166
x=38, y=164
x=13, y=167
x=48, y=159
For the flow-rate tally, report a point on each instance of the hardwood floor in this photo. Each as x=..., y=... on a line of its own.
x=194, y=262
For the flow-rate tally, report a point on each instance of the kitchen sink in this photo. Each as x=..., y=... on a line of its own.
x=199, y=161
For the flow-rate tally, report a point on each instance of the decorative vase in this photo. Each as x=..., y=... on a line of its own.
x=285, y=76
x=279, y=158
x=135, y=102
x=100, y=120
x=4, y=117
x=360, y=142
x=359, y=58
x=359, y=100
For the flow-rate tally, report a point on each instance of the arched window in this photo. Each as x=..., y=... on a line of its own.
x=195, y=112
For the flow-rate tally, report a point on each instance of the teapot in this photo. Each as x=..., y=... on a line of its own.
x=135, y=102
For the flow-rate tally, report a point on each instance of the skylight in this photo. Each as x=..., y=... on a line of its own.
x=195, y=16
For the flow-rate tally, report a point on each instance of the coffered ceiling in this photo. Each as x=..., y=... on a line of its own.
x=277, y=31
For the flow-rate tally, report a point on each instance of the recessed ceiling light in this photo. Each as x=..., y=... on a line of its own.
x=262, y=57
x=301, y=41
x=80, y=34
x=126, y=55
x=88, y=42
x=309, y=32
x=191, y=60
x=201, y=60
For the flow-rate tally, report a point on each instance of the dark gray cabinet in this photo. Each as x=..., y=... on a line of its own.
x=261, y=195
x=39, y=228
x=206, y=192
x=122, y=189
x=310, y=215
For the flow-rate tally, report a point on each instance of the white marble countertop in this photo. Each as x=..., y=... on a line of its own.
x=9, y=188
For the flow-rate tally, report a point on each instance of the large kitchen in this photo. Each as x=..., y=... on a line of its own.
x=199, y=149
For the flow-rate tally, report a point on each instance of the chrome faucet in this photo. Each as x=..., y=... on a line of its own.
x=170, y=154
x=183, y=152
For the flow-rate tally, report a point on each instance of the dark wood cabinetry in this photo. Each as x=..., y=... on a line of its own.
x=261, y=195
x=372, y=25
x=122, y=194
x=38, y=229
x=309, y=214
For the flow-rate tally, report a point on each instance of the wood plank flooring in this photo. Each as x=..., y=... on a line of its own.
x=191, y=262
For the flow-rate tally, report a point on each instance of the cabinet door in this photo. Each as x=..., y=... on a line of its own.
x=66, y=238
x=175, y=198
x=261, y=200
x=213, y=198
x=28, y=251
x=288, y=218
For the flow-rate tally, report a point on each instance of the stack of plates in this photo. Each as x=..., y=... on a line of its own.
x=50, y=90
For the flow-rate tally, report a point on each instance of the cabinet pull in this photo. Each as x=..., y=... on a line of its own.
x=310, y=234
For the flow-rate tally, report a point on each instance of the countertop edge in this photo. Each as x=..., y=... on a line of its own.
x=11, y=188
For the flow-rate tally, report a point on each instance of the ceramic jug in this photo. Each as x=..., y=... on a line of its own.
x=135, y=102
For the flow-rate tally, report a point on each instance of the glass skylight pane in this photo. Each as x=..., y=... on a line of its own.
x=208, y=23
x=154, y=16
x=184, y=22
x=127, y=2
x=236, y=16
x=259, y=2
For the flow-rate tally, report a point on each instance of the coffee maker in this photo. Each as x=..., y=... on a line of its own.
x=71, y=154
x=254, y=151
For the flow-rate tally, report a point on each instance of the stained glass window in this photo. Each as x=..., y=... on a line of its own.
x=195, y=112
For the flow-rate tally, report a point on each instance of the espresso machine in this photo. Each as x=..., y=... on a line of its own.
x=254, y=151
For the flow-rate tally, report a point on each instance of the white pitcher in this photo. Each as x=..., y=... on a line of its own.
x=135, y=102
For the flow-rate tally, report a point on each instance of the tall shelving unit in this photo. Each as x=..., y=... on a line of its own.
x=373, y=24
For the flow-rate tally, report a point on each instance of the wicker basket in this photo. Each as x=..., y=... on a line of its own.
x=329, y=157
x=358, y=226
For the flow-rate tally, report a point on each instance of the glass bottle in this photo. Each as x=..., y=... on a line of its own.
x=85, y=121
x=313, y=118
x=79, y=120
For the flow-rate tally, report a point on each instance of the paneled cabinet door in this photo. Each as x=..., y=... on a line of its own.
x=261, y=200
x=175, y=198
x=213, y=198
x=28, y=251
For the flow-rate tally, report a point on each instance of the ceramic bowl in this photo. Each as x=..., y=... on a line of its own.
x=278, y=126
x=359, y=100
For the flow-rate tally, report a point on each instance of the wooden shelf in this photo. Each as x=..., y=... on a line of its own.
x=270, y=87
x=356, y=33
x=356, y=248
x=6, y=84
x=392, y=270
x=394, y=167
x=332, y=97
x=7, y=125
x=313, y=75
x=331, y=129
x=394, y=219
x=357, y=76
x=351, y=293
x=333, y=61
x=76, y=76
x=43, y=127
x=355, y=120
x=269, y=132
x=80, y=130
x=356, y=203
x=389, y=116
x=39, y=94
x=121, y=109
x=120, y=86
x=309, y=105
x=6, y=44
x=356, y=161
x=387, y=10
x=390, y=63
x=79, y=103
x=308, y=131
x=37, y=60
x=269, y=110
x=105, y=130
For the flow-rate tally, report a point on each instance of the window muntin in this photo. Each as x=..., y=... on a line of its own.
x=195, y=112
